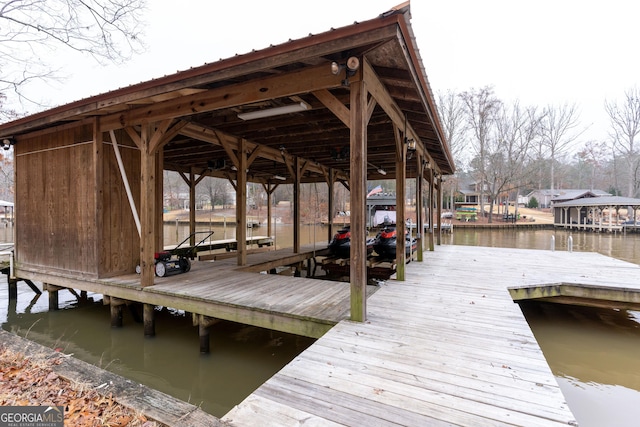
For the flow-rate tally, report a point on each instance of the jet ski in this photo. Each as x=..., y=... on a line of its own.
x=386, y=241
x=340, y=245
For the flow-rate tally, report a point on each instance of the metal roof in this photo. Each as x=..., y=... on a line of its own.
x=577, y=194
x=206, y=101
x=602, y=201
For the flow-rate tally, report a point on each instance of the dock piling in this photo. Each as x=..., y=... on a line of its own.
x=204, y=323
x=53, y=295
x=148, y=316
x=116, y=312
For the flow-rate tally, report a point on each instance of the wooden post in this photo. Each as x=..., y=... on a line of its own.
x=204, y=324
x=296, y=205
x=147, y=208
x=148, y=316
x=98, y=158
x=358, y=188
x=241, y=203
x=401, y=175
x=331, y=201
x=13, y=288
x=159, y=230
x=269, y=210
x=116, y=305
x=419, y=202
x=203, y=332
x=439, y=212
x=53, y=295
x=430, y=211
x=269, y=188
x=192, y=206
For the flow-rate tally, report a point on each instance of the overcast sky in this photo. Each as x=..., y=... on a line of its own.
x=544, y=52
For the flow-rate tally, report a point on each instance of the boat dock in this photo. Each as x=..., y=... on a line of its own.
x=448, y=346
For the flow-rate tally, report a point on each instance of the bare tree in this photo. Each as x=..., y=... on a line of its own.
x=625, y=127
x=592, y=155
x=454, y=123
x=559, y=129
x=508, y=152
x=481, y=106
x=217, y=190
x=107, y=30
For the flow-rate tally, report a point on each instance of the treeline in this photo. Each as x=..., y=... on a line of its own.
x=508, y=149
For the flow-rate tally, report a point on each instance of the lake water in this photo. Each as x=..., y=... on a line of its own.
x=593, y=353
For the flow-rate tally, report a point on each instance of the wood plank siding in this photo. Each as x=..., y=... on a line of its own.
x=56, y=215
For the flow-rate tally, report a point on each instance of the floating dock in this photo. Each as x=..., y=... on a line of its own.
x=448, y=346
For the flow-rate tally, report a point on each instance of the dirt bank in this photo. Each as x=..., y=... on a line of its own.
x=33, y=375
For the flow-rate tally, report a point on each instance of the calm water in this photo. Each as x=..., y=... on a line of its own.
x=593, y=353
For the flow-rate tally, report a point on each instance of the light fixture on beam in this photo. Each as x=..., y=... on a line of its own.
x=8, y=142
x=411, y=147
x=270, y=112
x=279, y=177
x=352, y=65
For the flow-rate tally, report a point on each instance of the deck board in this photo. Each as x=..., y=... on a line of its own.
x=448, y=346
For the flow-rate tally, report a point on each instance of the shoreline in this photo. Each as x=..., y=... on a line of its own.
x=151, y=404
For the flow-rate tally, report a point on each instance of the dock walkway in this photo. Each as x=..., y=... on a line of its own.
x=448, y=346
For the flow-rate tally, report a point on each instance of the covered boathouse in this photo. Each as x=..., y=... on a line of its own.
x=88, y=175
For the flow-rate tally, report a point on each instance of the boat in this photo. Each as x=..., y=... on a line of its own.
x=340, y=245
x=386, y=241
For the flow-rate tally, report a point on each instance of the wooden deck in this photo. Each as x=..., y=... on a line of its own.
x=222, y=290
x=446, y=347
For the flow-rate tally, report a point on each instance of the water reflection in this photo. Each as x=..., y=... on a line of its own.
x=620, y=246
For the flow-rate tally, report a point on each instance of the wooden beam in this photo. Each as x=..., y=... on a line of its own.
x=255, y=152
x=371, y=108
x=229, y=149
x=385, y=100
x=278, y=86
x=158, y=137
x=334, y=105
x=269, y=189
x=358, y=185
x=135, y=137
x=230, y=145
